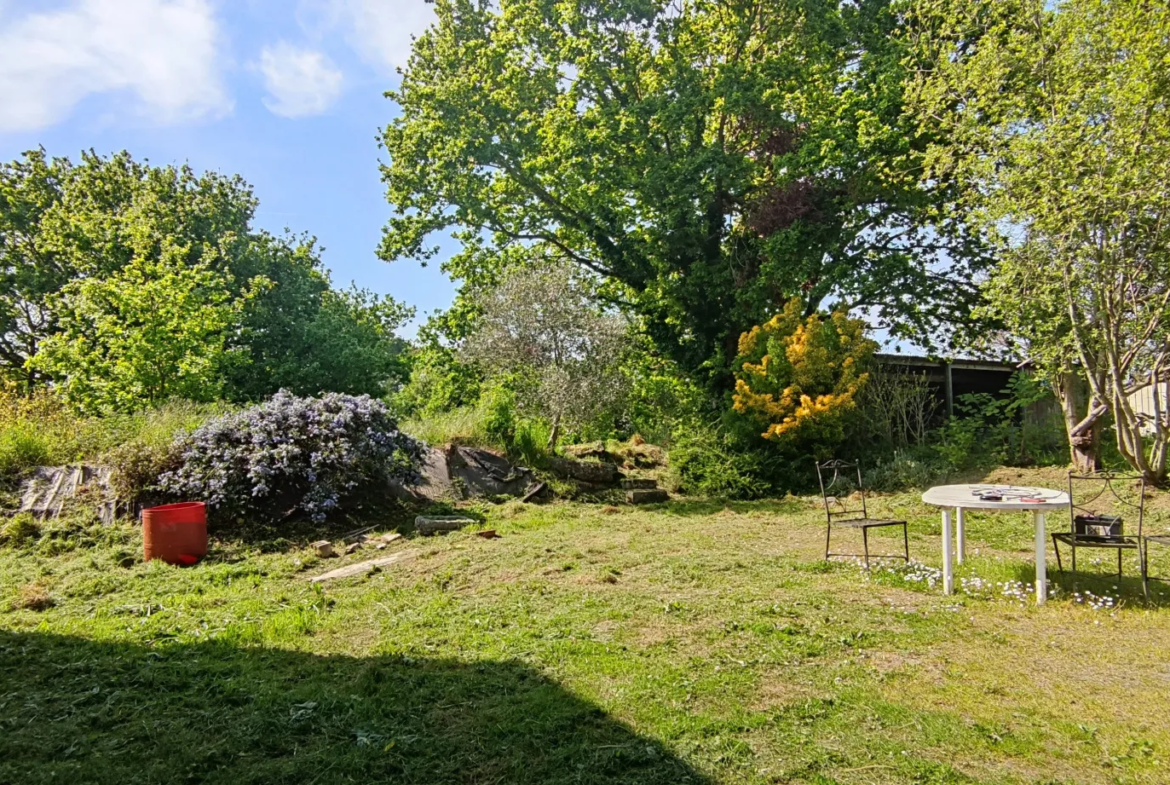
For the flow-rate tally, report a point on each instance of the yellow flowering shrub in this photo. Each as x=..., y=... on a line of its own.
x=798, y=376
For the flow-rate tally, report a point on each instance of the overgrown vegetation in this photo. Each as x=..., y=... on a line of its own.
x=703, y=642
x=909, y=443
x=1055, y=119
x=40, y=429
x=649, y=251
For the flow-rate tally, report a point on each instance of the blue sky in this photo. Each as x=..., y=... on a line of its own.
x=286, y=93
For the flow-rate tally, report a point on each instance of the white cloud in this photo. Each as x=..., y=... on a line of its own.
x=379, y=30
x=164, y=53
x=300, y=82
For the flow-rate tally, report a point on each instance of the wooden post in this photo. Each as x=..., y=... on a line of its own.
x=949, y=385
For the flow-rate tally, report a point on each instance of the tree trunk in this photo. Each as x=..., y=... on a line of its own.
x=1086, y=454
x=1084, y=431
x=555, y=433
x=1161, y=436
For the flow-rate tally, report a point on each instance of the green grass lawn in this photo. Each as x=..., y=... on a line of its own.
x=695, y=642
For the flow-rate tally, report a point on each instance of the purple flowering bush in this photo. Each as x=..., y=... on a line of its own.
x=292, y=455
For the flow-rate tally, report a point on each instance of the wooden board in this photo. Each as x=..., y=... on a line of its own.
x=361, y=568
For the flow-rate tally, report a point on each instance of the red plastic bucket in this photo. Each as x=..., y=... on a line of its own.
x=175, y=533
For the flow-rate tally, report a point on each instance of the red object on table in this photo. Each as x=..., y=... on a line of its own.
x=175, y=533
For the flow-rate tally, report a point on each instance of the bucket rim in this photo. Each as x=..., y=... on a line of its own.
x=175, y=507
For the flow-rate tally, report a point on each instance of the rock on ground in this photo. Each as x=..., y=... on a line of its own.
x=454, y=473
x=592, y=472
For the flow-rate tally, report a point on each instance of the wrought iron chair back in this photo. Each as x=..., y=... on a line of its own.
x=1101, y=494
x=839, y=484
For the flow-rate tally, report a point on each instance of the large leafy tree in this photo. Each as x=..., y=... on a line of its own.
x=1059, y=121
x=30, y=271
x=355, y=348
x=74, y=239
x=709, y=159
x=301, y=335
x=151, y=331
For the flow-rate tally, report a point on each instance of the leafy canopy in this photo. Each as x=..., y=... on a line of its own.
x=1059, y=121
x=709, y=160
x=29, y=187
x=149, y=332
x=126, y=282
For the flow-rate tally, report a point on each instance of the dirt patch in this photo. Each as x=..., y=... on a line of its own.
x=652, y=635
x=886, y=662
x=778, y=690
x=894, y=599
x=604, y=631
x=33, y=597
x=1019, y=769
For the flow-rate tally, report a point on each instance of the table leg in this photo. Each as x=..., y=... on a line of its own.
x=1041, y=567
x=960, y=536
x=948, y=570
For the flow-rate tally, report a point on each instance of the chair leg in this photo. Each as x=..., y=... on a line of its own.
x=1144, y=565
x=865, y=544
x=1056, y=548
x=1119, y=562
x=828, y=534
x=906, y=540
x=1074, y=558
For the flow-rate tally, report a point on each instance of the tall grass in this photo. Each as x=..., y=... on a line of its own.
x=478, y=426
x=22, y=446
x=40, y=430
x=466, y=425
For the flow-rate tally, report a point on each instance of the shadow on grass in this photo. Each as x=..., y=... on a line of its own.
x=80, y=711
x=1101, y=581
x=1097, y=577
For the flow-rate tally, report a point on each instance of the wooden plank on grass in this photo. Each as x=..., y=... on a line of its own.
x=361, y=568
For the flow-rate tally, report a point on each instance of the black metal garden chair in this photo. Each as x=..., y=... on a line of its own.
x=1157, y=539
x=1098, y=504
x=845, y=508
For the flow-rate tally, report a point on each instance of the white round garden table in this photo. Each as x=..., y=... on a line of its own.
x=954, y=499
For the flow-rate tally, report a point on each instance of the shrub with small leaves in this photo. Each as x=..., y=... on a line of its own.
x=704, y=463
x=136, y=466
x=797, y=377
x=291, y=456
